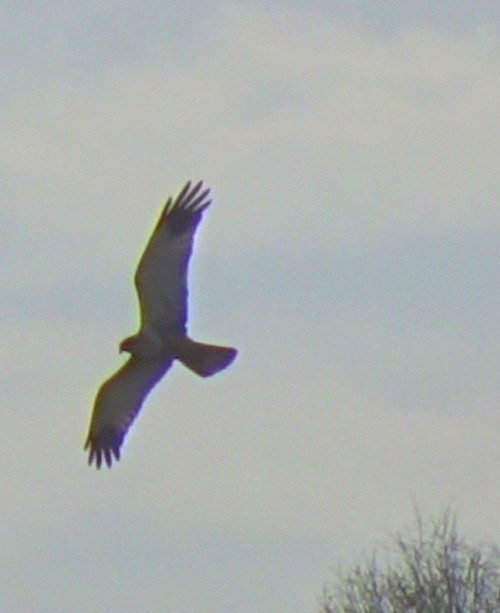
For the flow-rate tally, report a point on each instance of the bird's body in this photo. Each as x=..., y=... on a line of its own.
x=161, y=283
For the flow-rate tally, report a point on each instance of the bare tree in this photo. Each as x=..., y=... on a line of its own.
x=431, y=571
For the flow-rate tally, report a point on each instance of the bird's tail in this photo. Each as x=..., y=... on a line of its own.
x=205, y=360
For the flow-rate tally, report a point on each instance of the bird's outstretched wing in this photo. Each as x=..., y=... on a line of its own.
x=117, y=404
x=161, y=277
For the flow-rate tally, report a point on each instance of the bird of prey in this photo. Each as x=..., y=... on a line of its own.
x=161, y=284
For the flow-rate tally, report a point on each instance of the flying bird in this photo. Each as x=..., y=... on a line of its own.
x=161, y=284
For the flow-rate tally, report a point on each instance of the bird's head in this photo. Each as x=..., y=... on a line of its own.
x=142, y=346
x=130, y=344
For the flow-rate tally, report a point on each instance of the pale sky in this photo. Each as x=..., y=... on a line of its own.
x=351, y=254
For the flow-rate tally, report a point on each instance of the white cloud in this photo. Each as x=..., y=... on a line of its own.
x=283, y=107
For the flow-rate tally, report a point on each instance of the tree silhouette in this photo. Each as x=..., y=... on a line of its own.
x=431, y=571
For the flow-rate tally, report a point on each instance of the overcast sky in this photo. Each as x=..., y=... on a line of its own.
x=351, y=254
